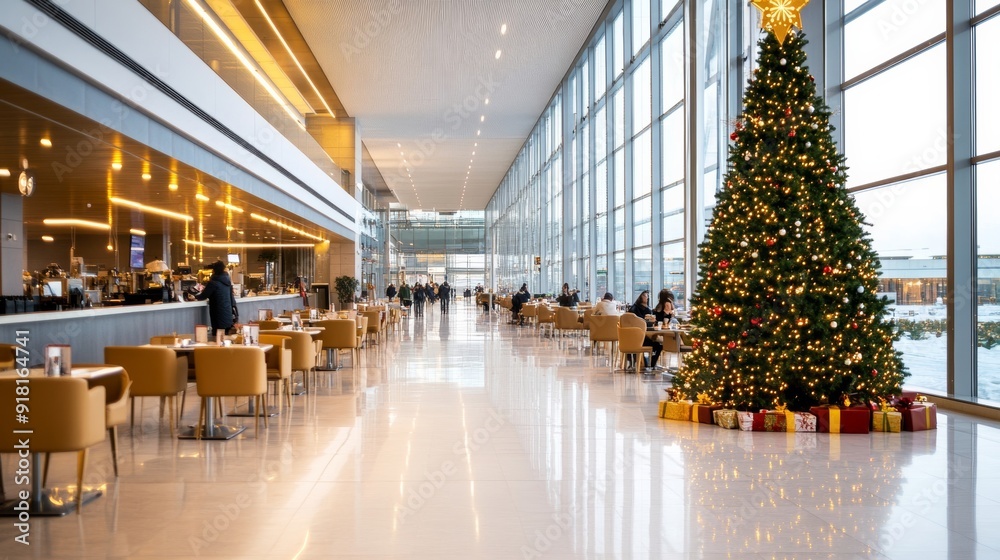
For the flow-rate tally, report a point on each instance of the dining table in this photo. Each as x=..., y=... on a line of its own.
x=54, y=502
x=211, y=429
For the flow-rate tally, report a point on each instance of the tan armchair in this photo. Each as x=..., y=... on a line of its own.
x=567, y=320
x=374, y=324
x=231, y=371
x=305, y=351
x=279, y=365
x=604, y=328
x=529, y=312
x=630, y=342
x=587, y=314
x=546, y=318
x=337, y=335
x=66, y=415
x=155, y=372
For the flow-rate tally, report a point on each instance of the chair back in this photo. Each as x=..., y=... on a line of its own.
x=155, y=372
x=632, y=320
x=546, y=315
x=303, y=348
x=587, y=314
x=279, y=358
x=374, y=320
x=630, y=340
x=8, y=356
x=339, y=333
x=671, y=343
x=230, y=371
x=269, y=325
x=66, y=415
x=604, y=328
x=567, y=318
x=529, y=310
x=168, y=339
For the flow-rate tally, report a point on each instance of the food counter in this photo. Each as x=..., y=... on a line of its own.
x=88, y=331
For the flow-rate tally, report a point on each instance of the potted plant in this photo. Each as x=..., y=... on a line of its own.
x=345, y=286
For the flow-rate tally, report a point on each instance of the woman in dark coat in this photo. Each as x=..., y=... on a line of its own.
x=219, y=293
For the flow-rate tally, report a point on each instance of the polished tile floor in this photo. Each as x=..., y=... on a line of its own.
x=463, y=438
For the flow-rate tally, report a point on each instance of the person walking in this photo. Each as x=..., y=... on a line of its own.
x=390, y=292
x=419, y=295
x=444, y=292
x=405, y=295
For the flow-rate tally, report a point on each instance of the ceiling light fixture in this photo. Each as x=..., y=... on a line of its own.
x=172, y=186
x=46, y=142
x=150, y=209
x=139, y=232
x=221, y=204
x=294, y=58
x=247, y=245
x=146, y=176
x=247, y=63
x=258, y=217
x=73, y=222
x=497, y=55
x=48, y=238
x=482, y=118
x=4, y=172
x=117, y=166
x=202, y=197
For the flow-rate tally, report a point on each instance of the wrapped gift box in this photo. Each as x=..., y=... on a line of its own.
x=785, y=421
x=746, y=420
x=726, y=418
x=834, y=419
x=676, y=410
x=887, y=421
x=920, y=417
x=703, y=413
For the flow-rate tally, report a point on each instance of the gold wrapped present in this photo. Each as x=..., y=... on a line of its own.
x=726, y=418
x=887, y=421
x=679, y=410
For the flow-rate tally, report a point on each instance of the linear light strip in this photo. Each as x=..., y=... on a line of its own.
x=150, y=209
x=75, y=223
x=250, y=66
x=294, y=58
x=247, y=245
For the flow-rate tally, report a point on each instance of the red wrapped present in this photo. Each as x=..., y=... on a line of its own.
x=703, y=413
x=783, y=421
x=835, y=419
x=919, y=417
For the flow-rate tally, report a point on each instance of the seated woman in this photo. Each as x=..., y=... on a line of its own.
x=641, y=309
x=665, y=307
x=568, y=298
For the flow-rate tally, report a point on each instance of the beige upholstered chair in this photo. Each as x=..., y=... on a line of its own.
x=362, y=323
x=338, y=334
x=231, y=371
x=567, y=320
x=269, y=325
x=630, y=340
x=374, y=324
x=66, y=415
x=632, y=320
x=183, y=364
x=604, y=328
x=305, y=350
x=155, y=372
x=279, y=365
x=546, y=318
x=587, y=314
x=529, y=312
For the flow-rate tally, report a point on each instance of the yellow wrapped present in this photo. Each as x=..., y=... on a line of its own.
x=676, y=410
x=887, y=421
x=726, y=418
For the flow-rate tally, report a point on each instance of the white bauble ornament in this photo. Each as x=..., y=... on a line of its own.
x=861, y=289
x=815, y=257
x=782, y=62
x=747, y=157
x=811, y=109
x=861, y=306
x=833, y=324
x=798, y=235
x=743, y=243
x=782, y=231
x=815, y=126
x=848, y=266
x=847, y=300
x=809, y=144
x=847, y=362
x=797, y=223
x=754, y=254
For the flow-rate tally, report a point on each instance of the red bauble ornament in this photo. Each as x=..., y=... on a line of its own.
x=827, y=270
x=791, y=134
x=717, y=311
x=731, y=345
x=854, y=325
x=696, y=344
x=733, y=137
x=874, y=372
x=788, y=111
x=755, y=321
x=745, y=334
x=770, y=242
x=723, y=263
x=739, y=125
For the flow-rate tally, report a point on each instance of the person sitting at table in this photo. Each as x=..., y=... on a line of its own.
x=606, y=306
x=641, y=309
x=520, y=298
x=219, y=293
x=665, y=307
x=568, y=298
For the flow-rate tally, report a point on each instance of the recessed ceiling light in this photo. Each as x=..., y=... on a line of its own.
x=116, y=166
x=497, y=55
x=5, y=172
x=146, y=176
x=486, y=101
x=172, y=186
x=48, y=238
x=202, y=197
x=46, y=142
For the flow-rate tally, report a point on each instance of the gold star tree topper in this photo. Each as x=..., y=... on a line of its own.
x=780, y=15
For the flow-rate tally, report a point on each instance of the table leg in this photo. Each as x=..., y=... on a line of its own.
x=211, y=430
x=45, y=502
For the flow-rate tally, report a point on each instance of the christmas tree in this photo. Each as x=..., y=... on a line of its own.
x=786, y=311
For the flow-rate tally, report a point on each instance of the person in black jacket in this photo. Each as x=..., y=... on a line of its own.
x=641, y=309
x=444, y=293
x=219, y=293
x=419, y=295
